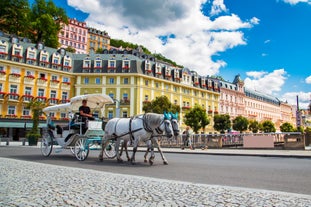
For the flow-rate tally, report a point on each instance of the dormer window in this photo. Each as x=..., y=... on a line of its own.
x=209, y=84
x=168, y=73
x=17, y=52
x=98, y=63
x=67, y=63
x=56, y=61
x=3, y=49
x=87, y=63
x=148, y=66
x=158, y=69
x=126, y=64
x=44, y=58
x=111, y=64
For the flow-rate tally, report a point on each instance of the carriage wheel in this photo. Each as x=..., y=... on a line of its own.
x=81, y=150
x=110, y=150
x=46, y=144
x=72, y=150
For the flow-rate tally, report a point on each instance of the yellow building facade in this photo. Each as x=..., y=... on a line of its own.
x=34, y=72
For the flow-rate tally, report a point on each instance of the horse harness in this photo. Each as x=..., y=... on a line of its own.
x=146, y=127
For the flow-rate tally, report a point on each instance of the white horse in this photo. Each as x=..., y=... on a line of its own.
x=136, y=129
x=156, y=138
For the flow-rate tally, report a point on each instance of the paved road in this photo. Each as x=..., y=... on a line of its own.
x=269, y=173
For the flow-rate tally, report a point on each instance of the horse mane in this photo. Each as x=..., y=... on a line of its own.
x=153, y=119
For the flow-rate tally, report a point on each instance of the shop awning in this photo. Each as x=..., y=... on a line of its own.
x=7, y=124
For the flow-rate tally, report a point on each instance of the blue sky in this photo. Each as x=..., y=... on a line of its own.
x=267, y=42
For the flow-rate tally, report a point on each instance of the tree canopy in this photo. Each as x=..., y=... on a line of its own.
x=254, y=126
x=268, y=126
x=240, y=124
x=120, y=43
x=222, y=122
x=14, y=17
x=160, y=105
x=46, y=21
x=40, y=23
x=196, y=118
x=287, y=127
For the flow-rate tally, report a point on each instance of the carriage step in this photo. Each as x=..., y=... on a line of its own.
x=92, y=133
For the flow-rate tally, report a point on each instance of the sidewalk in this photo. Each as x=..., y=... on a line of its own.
x=229, y=152
x=66, y=186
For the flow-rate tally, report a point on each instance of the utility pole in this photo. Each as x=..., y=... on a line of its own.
x=298, y=118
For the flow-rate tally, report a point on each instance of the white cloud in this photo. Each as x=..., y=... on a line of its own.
x=269, y=83
x=308, y=80
x=303, y=99
x=256, y=74
x=198, y=39
x=294, y=2
x=218, y=7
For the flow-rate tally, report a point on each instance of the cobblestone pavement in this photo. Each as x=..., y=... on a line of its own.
x=34, y=184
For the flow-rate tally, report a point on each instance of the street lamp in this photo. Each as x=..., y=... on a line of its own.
x=117, y=108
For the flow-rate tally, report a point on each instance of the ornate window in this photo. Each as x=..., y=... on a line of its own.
x=44, y=61
x=3, y=49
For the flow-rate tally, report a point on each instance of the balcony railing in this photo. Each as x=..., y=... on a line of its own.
x=13, y=96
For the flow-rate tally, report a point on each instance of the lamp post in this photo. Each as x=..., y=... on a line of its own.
x=117, y=108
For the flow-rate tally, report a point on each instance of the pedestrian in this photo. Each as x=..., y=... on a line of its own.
x=186, y=138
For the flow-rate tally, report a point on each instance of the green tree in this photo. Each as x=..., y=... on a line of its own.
x=159, y=105
x=36, y=108
x=240, y=124
x=14, y=17
x=46, y=21
x=70, y=49
x=300, y=129
x=99, y=50
x=254, y=126
x=196, y=118
x=287, y=127
x=222, y=122
x=268, y=126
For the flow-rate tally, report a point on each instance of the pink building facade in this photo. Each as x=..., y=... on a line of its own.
x=74, y=35
x=236, y=100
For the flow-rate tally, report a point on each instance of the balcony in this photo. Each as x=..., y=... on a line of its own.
x=2, y=94
x=29, y=79
x=14, y=77
x=13, y=96
x=42, y=82
x=17, y=57
x=26, y=117
x=186, y=107
x=66, y=68
x=64, y=100
x=27, y=97
x=44, y=63
x=65, y=85
x=54, y=83
x=11, y=116
x=41, y=98
x=53, y=101
x=125, y=102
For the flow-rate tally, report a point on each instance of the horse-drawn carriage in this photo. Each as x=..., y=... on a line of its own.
x=71, y=135
x=118, y=131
